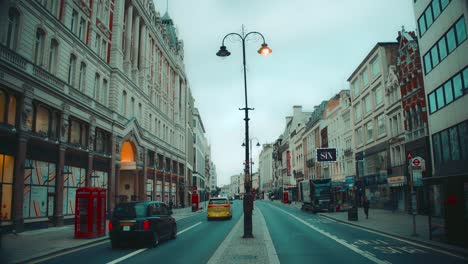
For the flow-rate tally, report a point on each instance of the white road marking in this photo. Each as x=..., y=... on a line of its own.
x=188, y=228
x=143, y=249
x=127, y=256
x=340, y=241
x=406, y=241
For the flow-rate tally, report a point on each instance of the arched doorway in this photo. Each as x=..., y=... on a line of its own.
x=128, y=181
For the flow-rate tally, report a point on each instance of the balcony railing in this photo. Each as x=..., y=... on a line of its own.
x=16, y=60
x=415, y=133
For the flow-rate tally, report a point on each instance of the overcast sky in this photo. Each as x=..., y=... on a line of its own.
x=316, y=46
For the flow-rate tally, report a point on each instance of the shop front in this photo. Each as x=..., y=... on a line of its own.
x=397, y=185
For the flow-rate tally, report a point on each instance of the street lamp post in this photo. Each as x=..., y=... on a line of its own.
x=248, y=200
x=251, y=153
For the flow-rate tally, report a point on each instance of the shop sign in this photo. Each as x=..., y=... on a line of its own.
x=417, y=178
x=349, y=181
x=326, y=154
x=396, y=181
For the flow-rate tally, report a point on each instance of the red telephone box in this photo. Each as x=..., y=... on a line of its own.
x=90, y=212
x=195, y=198
x=285, y=197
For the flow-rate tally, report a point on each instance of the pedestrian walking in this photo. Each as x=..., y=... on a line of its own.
x=365, y=204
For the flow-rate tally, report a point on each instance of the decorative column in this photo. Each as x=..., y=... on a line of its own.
x=145, y=175
x=111, y=198
x=58, y=209
x=91, y=137
x=18, y=185
x=163, y=184
x=128, y=37
x=143, y=54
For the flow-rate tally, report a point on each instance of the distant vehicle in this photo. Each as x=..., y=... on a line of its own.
x=237, y=196
x=219, y=208
x=148, y=221
x=317, y=195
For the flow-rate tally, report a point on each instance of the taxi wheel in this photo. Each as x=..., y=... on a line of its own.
x=230, y=217
x=155, y=240
x=208, y=219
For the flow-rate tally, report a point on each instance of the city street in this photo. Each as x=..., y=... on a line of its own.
x=297, y=236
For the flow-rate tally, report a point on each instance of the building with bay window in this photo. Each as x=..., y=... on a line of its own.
x=92, y=93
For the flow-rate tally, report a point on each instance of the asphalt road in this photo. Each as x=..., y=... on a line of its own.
x=298, y=237
x=196, y=242
x=302, y=237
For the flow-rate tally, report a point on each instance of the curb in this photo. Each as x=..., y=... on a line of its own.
x=459, y=251
x=38, y=258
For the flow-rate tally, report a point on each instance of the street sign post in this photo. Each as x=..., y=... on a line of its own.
x=417, y=166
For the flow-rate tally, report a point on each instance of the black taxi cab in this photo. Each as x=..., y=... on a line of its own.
x=147, y=221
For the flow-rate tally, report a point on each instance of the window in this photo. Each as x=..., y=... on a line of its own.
x=74, y=19
x=359, y=136
x=437, y=148
x=436, y=8
x=381, y=125
x=13, y=28
x=465, y=78
x=440, y=98
x=355, y=89
x=82, y=78
x=460, y=30
x=357, y=111
x=150, y=122
x=53, y=56
x=102, y=141
x=140, y=111
x=103, y=53
x=103, y=98
x=463, y=133
x=42, y=120
x=97, y=44
x=132, y=107
x=451, y=41
x=367, y=105
x=375, y=67
x=444, y=3
x=78, y=132
x=365, y=78
x=37, y=202
x=7, y=164
x=422, y=25
x=454, y=144
x=71, y=70
x=429, y=18
x=3, y=105
x=378, y=95
x=124, y=103
x=369, y=132
x=81, y=31
x=39, y=47
x=97, y=80
x=427, y=63
x=445, y=142
x=457, y=85
x=435, y=56
x=448, y=92
x=442, y=48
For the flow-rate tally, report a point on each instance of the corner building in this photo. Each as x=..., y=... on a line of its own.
x=92, y=93
x=443, y=47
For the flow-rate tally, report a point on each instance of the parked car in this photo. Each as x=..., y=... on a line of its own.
x=147, y=221
x=219, y=208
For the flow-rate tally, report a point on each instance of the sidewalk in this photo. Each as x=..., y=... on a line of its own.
x=258, y=250
x=33, y=244
x=396, y=224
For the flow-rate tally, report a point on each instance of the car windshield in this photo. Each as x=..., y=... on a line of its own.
x=219, y=201
x=129, y=211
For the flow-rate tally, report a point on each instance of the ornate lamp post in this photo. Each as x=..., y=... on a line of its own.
x=248, y=199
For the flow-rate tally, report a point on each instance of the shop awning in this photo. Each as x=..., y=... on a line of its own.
x=396, y=181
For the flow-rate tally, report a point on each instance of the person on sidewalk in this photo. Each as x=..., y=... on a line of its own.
x=365, y=204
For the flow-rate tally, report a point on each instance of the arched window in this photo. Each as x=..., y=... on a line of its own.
x=39, y=47
x=104, y=92
x=132, y=107
x=156, y=126
x=13, y=28
x=82, y=77
x=124, y=103
x=140, y=111
x=72, y=70
x=53, y=56
x=150, y=122
x=96, y=92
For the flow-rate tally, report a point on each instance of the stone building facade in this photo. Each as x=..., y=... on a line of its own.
x=92, y=93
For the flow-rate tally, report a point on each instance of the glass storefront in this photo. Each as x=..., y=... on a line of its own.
x=149, y=189
x=74, y=178
x=7, y=164
x=39, y=188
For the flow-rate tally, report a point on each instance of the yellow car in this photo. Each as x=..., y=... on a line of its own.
x=219, y=208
